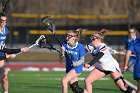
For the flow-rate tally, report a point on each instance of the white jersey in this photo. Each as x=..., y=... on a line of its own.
x=106, y=62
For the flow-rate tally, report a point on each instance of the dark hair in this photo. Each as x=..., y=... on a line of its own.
x=2, y=14
x=135, y=30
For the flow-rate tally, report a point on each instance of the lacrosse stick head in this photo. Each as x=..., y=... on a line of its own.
x=39, y=39
x=4, y=6
x=42, y=43
x=47, y=21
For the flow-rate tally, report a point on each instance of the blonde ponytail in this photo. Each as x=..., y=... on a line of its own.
x=79, y=33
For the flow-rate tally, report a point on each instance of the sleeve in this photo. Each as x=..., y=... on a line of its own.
x=126, y=42
x=82, y=54
x=10, y=51
x=7, y=30
x=82, y=51
x=96, y=59
x=131, y=47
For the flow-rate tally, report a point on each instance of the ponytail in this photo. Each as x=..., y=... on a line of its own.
x=79, y=33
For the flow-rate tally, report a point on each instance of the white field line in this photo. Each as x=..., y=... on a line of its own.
x=47, y=69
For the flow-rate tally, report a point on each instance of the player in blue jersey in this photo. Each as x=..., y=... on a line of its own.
x=75, y=55
x=104, y=64
x=136, y=71
x=3, y=34
x=132, y=38
x=3, y=70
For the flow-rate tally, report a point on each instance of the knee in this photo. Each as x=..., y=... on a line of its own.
x=88, y=81
x=126, y=88
x=64, y=81
x=2, y=63
x=5, y=78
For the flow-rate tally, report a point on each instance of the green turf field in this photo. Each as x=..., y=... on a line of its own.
x=50, y=82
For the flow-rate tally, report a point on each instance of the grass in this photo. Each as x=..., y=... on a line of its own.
x=50, y=82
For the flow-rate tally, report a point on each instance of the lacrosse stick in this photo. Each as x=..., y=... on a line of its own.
x=47, y=21
x=117, y=52
x=4, y=6
x=35, y=44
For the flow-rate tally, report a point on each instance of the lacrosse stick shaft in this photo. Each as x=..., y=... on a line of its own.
x=58, y=40
x=32, y=46
x=28, y=47
x=35, y=44
x=129, y=67
x=117, y=52
x=4, y=5
x=52, y=48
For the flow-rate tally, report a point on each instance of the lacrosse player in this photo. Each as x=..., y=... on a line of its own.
x=75, y=55
x=136, y=73
x=3, y=50
x=104, y=64
x=132, y=38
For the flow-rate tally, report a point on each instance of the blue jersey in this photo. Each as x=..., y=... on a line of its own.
x=3, y=35
x=74, y=54
x=128, y=42
x=136, y=49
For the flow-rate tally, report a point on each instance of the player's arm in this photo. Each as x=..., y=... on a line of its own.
x=82, y=53
x=6, y=56
x=96, y=59
x=79, y=62
x=127, y=56
x=14, y=51
x=11, y=51
x=126, y=60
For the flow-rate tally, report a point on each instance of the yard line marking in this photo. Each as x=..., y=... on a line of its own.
x=81, y=78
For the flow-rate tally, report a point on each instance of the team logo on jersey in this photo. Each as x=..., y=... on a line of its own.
x=72, y=52
x=3, y=37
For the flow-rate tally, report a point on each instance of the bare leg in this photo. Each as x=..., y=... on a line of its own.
x=94, y=75
x=5, y=83
x=74, y=80
x=69, y=76
x=120, y=82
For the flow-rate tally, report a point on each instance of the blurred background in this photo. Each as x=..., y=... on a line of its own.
x=25, y=26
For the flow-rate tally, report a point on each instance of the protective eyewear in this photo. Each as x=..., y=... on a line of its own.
x=70, y=36
x=131, y=32
x=93, y=38
x=1, y=20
